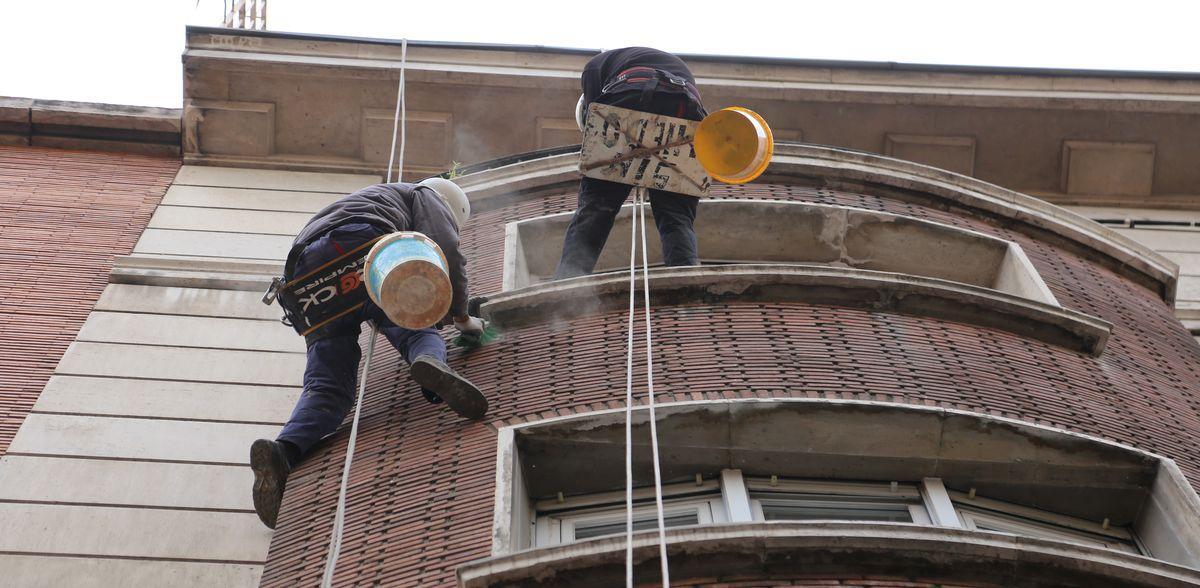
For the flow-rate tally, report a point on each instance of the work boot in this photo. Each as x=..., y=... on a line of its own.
x=460, y=394
x=269, y=462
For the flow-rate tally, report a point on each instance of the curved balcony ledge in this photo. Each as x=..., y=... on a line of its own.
x=787, y=550
x=846, y=167
x=872, y=290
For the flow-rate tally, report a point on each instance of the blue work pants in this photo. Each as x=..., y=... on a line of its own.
x=331, y=375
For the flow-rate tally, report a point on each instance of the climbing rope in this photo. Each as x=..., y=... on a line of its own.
x=638, y=221
x=629, y=398
x=399, y=122
x=335, y=545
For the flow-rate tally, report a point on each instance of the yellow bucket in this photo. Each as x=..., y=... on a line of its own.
x=734, y=145
x=406, y=275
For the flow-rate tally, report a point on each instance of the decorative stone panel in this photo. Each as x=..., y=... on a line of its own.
x=230, y=128
x=1107, y=169
x=428, y=140
x=956, y=154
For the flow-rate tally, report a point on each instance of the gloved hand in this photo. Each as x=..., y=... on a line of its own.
x=472, y=326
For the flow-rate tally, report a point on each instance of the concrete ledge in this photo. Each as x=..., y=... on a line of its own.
x=79, y=125
x=872, y=290
x=796, y=550
x=854, y=169
x=842, y=165
x=190, y=272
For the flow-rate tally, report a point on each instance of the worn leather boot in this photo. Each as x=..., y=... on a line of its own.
x=459, y=393
x=269, y=462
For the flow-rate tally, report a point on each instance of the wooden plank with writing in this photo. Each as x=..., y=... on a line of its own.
x=642, y=149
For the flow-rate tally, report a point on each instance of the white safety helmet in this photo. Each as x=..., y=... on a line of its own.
x=579, y=113
x=453, y=196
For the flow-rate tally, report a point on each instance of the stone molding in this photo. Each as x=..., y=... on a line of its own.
x=790, y=550
x=842, y=166
x=79, y=125
x=514, y=66
x=193, y=272
x=876, y=291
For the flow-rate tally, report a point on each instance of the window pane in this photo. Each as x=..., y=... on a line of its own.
x=1018, y=525
x=587, y=531
x=844, y=508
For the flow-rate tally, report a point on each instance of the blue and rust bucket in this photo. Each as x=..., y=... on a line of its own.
x=407, y=276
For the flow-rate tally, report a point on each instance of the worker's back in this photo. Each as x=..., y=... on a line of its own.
x=605, y=67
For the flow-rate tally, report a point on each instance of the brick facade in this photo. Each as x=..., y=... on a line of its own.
x=64, y=215
x=422, y=488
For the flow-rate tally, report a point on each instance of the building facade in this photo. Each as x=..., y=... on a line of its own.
x=888, y=369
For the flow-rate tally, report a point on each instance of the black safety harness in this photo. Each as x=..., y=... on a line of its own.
x=650, y=80
x=326, y=293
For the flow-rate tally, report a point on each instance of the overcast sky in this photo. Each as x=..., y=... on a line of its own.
x=128, y=51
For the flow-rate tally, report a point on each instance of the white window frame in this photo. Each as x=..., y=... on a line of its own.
x=917, y=511
x=729, y=499
x=556, y=520
x=1014, y=519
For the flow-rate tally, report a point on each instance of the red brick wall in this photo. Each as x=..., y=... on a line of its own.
x=63, y=216
x=421, y=493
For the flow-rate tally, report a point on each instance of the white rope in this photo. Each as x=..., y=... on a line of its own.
x=638, y=221
x=335, y=543
x=629, y=401
x=399, y=123
x=399, y=119
x=658, y=499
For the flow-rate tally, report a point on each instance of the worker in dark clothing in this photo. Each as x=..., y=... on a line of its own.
x=647, y=80
x=437, y=208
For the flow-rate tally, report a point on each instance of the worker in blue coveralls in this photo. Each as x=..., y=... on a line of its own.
x=646, y=80
x=437, y=208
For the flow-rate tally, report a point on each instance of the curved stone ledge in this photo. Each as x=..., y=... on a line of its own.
x=872, y=290
x=834, y=166
x=787, y=550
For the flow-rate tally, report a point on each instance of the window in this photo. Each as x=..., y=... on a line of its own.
x=784, y=463
x=981, y=514
x=791, y=500
x=774, y=499
x=585, y=517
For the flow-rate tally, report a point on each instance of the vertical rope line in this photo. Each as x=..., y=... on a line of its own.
x=658, y=498
x=335, y=543
x=403, y=108
x=397, y=126
x=629, y=400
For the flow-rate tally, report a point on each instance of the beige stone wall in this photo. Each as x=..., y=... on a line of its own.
x=132, y=468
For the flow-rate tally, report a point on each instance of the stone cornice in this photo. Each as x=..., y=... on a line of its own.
x=1121, y=89
x=78, y=125
x=826, y=87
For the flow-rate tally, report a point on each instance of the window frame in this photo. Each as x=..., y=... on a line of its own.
x=1042, y=524
x=917, y=511
x=555, y=520
x=730, y=498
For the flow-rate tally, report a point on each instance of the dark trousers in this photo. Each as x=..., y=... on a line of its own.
x=331, y=374
x=599, y=203
x=601, y=200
